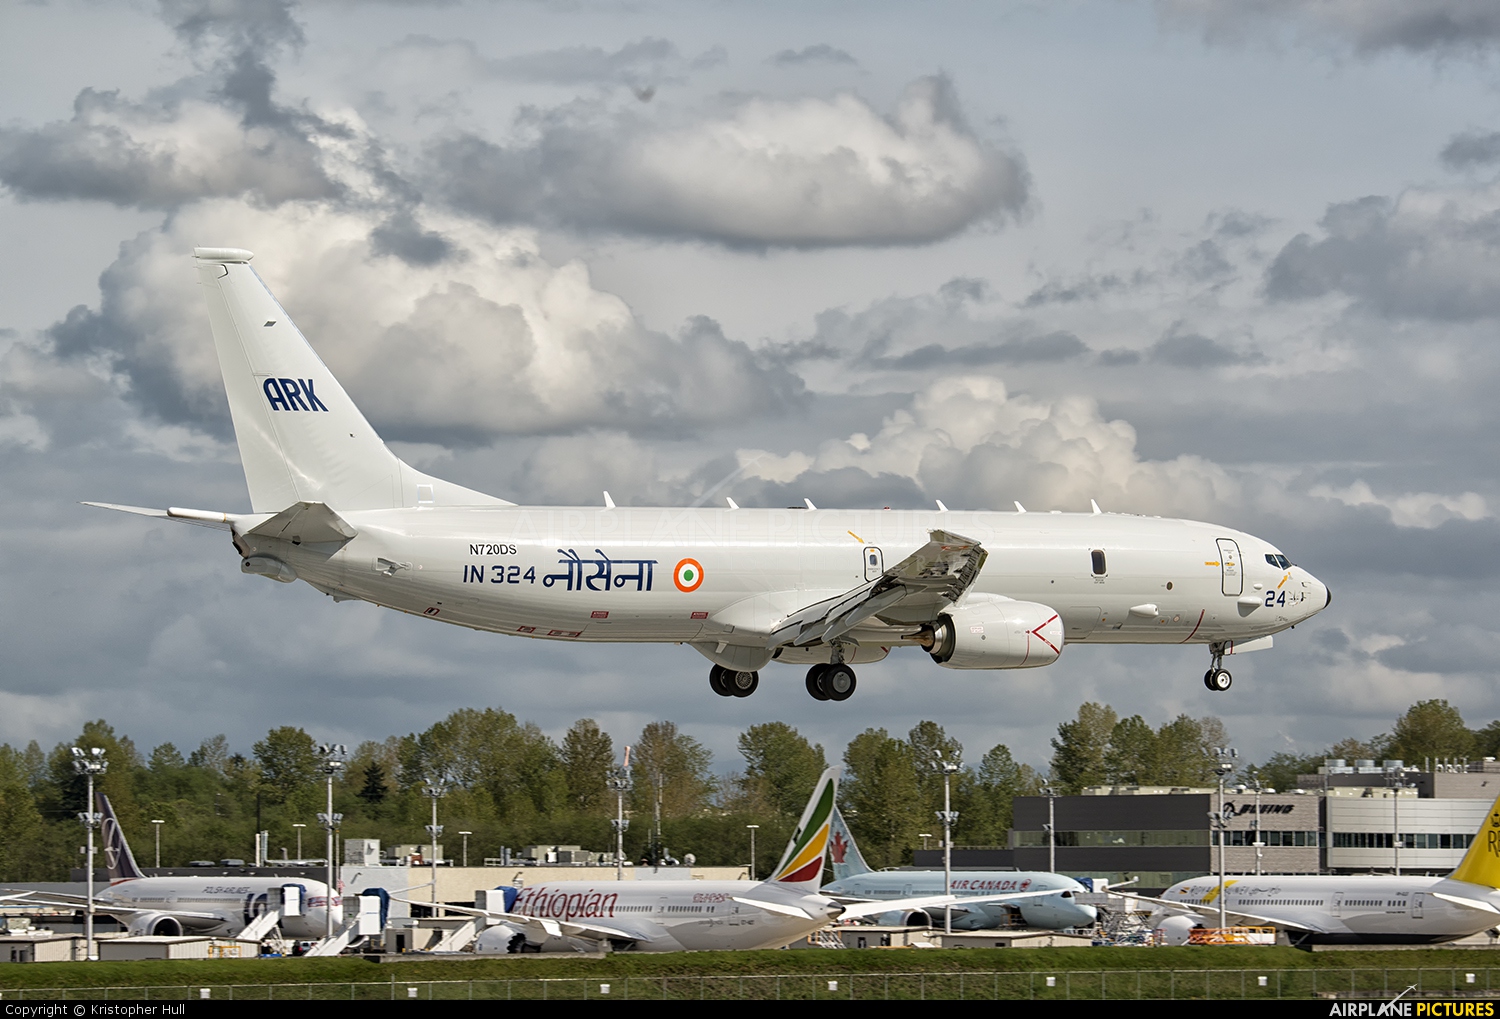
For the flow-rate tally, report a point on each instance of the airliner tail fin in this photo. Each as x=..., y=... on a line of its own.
x=301, y=438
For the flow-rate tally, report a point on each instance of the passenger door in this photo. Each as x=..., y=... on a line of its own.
x=1230, y=567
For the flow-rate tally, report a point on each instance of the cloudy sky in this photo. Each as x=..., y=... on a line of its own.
x=1212, y=258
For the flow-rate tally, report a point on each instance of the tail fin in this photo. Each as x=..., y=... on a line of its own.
x=847, y=859
x=117, y=854
x=802, y=863
x=1481, y=864
x=301, y=438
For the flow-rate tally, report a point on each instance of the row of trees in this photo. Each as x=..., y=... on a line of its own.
x=509, y=784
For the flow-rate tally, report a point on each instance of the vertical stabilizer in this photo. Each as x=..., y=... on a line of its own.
x=802, y=863
x=847, y=859
x=301, y=438
x=117, y=855
x=1481, y=864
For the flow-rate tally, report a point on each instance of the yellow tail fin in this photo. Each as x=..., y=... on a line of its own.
x=1481, y=864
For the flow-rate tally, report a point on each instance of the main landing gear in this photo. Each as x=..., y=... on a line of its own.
x=729, y=683
x=831, y=682
x=1217, y=678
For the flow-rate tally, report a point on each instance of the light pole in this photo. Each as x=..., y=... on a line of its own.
x=434, y=790
x=466, y=835
x=158, y=842
x=88, y=765
x=1395, y=777
x=947, y=815
x=299, y=825
x=752, y=828
x=1259, y=841
x=334, y=755
x=1050, y=828
x=1225, y=765
x=620, y=781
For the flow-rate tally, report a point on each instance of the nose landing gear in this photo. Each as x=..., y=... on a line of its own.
x=1217, y=678
x=730, y=683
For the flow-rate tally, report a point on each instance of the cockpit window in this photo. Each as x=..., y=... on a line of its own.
x=1279, y=561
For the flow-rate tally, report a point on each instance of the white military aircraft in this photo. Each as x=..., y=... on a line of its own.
x=209, y=905
x=1352, y=908
x=332, y=506
x=985, y=899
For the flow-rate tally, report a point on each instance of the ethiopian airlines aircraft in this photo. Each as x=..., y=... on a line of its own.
x=1355, y=908
x=212, y=904
x=669, y=916
x=824, y=589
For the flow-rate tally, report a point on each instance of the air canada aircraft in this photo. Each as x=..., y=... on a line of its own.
x=985, y=899
x=210, y=905
x=821, y=589
x=1353, y=908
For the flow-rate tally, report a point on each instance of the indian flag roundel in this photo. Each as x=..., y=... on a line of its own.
x=688, y=576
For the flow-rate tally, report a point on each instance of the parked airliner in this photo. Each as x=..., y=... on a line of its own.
x=1354, y=908
x=818, y=588
x=1042, y=898
x=210, y=905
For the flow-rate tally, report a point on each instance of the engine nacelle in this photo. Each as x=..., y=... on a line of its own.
x=988, y=632
x=160, y=925
x=905, y=918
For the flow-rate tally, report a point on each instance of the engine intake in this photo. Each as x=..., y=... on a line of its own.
x=989, y=632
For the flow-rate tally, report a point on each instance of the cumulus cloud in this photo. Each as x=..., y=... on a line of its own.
x=492, y=340
x=763, y=173
x=970, y=443
x=1366, y=26
x=819, y=53
x=160, y=156
x=1471, y=149
x=1410, y=509
x=644, y=60
x=1426, y=253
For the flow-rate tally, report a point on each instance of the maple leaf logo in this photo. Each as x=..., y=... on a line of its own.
x=838, y=847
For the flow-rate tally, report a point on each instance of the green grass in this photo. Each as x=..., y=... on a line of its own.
x=694, y=964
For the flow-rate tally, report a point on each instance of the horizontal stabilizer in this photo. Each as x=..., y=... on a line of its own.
x=201, y=518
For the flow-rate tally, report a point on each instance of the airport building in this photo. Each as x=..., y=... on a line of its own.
x=1342, y=820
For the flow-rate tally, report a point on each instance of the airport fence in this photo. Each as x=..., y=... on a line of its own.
x=989, y=985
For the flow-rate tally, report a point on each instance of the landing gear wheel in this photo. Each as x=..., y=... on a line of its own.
x=718, y=681
x=741, y=684
x=1217, y=680
x=837, y=682
x=815, y=682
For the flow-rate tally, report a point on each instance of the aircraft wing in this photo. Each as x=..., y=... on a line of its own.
x=1213, y=912
x=64, y=900
x=940, y=570
x=542, y=926
x=874, y=907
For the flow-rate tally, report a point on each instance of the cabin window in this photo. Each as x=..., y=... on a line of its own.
x=1098, y=557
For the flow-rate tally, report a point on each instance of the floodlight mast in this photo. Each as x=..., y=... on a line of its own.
x=1227, y=756
x=948, y=816
x=434, y=789
x=334, y=755
x=88, y=765
x=620, y=781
